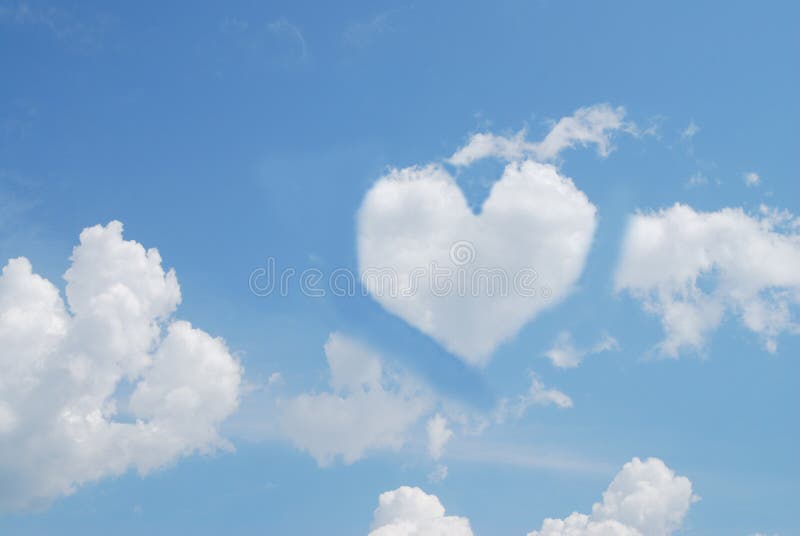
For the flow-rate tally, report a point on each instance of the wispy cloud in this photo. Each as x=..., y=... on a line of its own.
x=360, y=34
x=751, y=178
x=83, y=33
x=564, y=354
x=278, y=40
x=698, y=179
x=290, y=36
x=525, y=457
x=592, y=125
x=689, y=132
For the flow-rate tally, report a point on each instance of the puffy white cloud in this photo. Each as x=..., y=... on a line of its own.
x=691, y=268
x=409, y=511
x=110, y=384
x=564, y=354
x=472, y=281
x=590, y=125
x=368, y=407
x=438, y=435
x=646, y=498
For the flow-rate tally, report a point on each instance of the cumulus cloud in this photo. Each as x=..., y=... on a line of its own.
x=367, y=408
x=646, y=498
x=108, y=381
x=438, y=435
x=472, y=281
x=691, y=268
x=564, y=354
x=592, y=125
x=409, y=511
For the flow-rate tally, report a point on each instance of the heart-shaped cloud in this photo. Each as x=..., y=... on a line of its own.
x=471, y=281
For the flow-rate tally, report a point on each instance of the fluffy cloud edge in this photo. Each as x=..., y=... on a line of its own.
x=409, y=511
x=368, y=406
x=62, y=416
x=692, y=268
x=645, y=498
x=534, y=233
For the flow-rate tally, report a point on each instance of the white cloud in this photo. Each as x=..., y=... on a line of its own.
x=536, y=395
x=564, y=354
x=751, y=178
x=65, y=418
x=689, y=132
x=439, y=473
x=646, y=498
x=539, y=395
x=444, y=261
x=485, y=144
x=691, y=268
x=590, y=125
x=368, y=407
x=606, y=343
x=274, y=379
x=409, y=511
x=438, y=435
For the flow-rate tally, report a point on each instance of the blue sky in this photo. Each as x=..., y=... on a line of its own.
x=223, y=135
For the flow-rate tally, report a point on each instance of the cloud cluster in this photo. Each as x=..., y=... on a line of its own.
x=524, y=252
x=367, y=408
x=409, y=511
x=590, y=125
x=691, y=268
x=110, y=382
x=370, y=406
x=646, y=498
